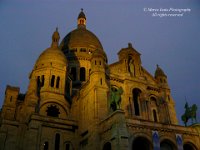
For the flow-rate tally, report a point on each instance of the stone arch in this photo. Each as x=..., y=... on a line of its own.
x=189, y=146
x=141, y=136
x=136, y=92
x=142, y=143
x=167, y=144
x=153, y=98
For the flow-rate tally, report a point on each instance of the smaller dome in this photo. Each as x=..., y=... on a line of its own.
x=159, y=72
x=52, y=55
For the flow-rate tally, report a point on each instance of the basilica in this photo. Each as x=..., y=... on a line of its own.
x=75, y=100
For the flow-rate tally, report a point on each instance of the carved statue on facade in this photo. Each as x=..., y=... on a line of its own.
x=131, y=67
x=115, y=98
x=190, y=113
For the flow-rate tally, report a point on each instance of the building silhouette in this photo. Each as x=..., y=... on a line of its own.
x=77, y=101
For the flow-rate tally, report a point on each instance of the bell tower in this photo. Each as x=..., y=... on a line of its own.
x=167, y=99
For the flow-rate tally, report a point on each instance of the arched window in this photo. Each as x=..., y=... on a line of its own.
x=82, y=74
x=67, y=146
x=81, y=21
x=136, y=94
x=73, y=73
x=46, y=145
x=155, y=115
x=52, y=111
x=57, y=82
x=38, y=82
x=52, y=80
x=11, y=99
x=57, y=141
x=153, y=102
x=38, y=86
x=107, y=146
x=168, y=97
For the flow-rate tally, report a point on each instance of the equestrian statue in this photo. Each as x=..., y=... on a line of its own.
x=115, y=98
x=190, y=113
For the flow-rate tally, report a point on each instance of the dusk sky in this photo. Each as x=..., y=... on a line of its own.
x=173, y=42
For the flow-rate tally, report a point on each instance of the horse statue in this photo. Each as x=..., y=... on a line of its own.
x=115, y=98
x=190, y=113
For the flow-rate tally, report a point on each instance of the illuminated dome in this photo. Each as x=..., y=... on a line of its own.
x=52, y=55
x=80, y=39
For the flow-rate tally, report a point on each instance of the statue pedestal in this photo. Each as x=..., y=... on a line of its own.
x=113, y=129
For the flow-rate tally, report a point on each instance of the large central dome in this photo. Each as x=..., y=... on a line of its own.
x=80, y=42
x=80, y=38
